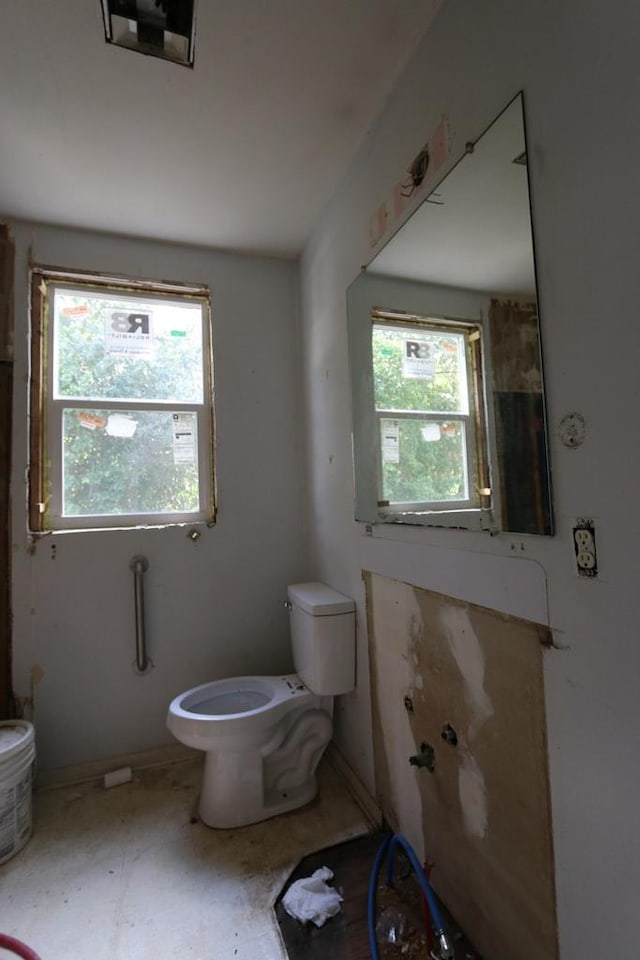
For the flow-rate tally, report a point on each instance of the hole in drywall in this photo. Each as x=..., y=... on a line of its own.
x=449, y=735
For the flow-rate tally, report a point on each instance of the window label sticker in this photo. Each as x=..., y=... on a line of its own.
x=79, y=310
x=120, y=425
x=128, y=334
x=90, y=421
x=184, y=438
x=431, y=432
x=390, y=441
x=418, y=361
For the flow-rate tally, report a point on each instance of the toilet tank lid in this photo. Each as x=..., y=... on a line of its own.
x=319, y=600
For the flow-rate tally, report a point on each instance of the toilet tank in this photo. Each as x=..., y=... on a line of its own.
x=323, y=637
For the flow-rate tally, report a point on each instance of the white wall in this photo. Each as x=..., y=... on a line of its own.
x=215, y=607
x=577, y=63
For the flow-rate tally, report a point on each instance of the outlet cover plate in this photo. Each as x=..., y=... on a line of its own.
x=584, y=544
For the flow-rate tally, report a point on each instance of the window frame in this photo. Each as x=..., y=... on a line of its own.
x=369, y=508
x=46, y=411
x=380, y=318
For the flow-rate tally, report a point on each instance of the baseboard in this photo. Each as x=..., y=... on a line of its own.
x=96, y=769
x=354, y=785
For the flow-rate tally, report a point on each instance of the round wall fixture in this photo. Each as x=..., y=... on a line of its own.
x=573, y=429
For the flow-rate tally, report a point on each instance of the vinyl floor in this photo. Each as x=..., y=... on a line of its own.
x=131, y=874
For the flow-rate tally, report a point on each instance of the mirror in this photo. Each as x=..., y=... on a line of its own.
x=463, y=261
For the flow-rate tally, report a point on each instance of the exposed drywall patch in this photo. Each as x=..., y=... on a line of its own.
x=431, y=157
x=468, y=682
x=394, y=666
x=473, y=797
x=469, y=657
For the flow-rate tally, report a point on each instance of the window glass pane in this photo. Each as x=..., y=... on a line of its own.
x=121, y=462
x=423, y=460
x=108, y=346
x=418, y=370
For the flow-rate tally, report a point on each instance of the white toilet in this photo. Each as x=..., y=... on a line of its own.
x=264, y=736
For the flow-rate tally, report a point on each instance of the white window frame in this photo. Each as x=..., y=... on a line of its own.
x=46, y=461
x=470, y=514
x=382, y=319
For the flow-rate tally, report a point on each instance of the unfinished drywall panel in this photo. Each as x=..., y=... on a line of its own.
x=466, y=682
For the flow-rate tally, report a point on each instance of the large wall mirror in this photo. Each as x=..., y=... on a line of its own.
x=449, y=421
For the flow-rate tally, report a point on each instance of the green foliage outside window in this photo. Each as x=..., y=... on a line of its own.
x=113, y=475
x=110, y=476
x=428, y=470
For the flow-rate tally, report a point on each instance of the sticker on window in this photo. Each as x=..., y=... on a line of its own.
x=128, y=334
x=121, y=425
x=431, y=432
x=390, y=441
x=90, y=421
x=79, y=310
x=184, y=438
x=418, y=360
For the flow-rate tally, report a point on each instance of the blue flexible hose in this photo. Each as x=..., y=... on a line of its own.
x=371, y=903
x=387, y=849
x=399, y=840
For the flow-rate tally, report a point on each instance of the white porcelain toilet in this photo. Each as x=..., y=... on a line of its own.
x=264, y=736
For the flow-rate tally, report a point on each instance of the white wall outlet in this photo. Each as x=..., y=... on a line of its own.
x=584, y=542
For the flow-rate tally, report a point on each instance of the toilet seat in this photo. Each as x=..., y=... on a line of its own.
x=236, y=709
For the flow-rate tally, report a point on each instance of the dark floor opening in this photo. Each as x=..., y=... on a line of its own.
x=400, y=914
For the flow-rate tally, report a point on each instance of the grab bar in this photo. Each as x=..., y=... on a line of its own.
x=139, y=565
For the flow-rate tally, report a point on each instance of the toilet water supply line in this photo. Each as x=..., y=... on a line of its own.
x=388, y=849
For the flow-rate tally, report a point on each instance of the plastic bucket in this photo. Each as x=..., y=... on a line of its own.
x=17, y=762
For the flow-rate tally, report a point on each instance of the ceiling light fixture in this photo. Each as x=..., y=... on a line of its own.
x=158, y=28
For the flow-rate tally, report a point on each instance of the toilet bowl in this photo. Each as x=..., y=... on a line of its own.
x=263, y=736
x=238, y=709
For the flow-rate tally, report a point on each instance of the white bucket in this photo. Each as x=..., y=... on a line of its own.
x=17, y=762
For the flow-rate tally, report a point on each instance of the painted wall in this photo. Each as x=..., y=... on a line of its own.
x=215, y=607
x=577, y=64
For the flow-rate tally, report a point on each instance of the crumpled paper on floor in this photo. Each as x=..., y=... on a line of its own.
x=310, y=899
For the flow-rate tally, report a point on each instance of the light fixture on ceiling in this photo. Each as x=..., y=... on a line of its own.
x=158, y=28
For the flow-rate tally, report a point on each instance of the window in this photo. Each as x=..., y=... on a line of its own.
x=121, y=403
x=424, y=421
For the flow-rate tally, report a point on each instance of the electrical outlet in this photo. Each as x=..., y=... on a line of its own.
x=584, y=542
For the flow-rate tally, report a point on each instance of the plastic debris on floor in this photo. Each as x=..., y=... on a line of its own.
x=312, y=899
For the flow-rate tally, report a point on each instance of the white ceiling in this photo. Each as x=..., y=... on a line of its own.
x=476, y=234
x=241, y=152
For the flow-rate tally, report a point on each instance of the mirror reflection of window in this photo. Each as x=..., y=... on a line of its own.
x=464, y=256
x=428, y=405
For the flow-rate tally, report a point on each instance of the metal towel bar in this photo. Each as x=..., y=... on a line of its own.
x=139, y=565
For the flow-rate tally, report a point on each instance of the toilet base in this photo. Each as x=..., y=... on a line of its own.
x=246, y=786
x=211, y=813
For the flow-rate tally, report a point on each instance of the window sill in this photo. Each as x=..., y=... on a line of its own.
x=467, y=519
x=188, y=525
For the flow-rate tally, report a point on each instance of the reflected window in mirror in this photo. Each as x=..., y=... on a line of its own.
x=449, y=425
x=429, y=410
